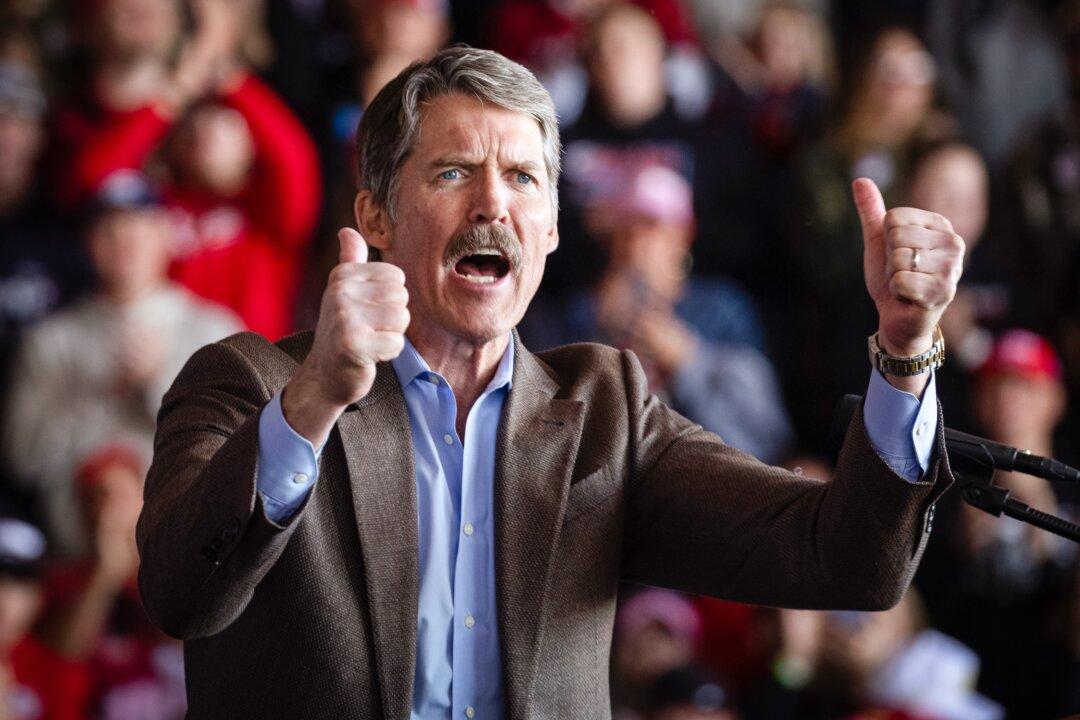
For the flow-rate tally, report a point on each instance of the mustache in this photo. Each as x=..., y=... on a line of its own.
x=478, y=238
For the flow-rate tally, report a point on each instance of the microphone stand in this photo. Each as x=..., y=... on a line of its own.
x=973, y=466
x=976, y=483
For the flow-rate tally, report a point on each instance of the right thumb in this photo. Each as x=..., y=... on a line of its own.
x=353, y=247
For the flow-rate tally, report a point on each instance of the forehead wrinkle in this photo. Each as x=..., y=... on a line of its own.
x=477, y=134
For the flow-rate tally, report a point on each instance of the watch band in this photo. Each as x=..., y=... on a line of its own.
x=907, y=366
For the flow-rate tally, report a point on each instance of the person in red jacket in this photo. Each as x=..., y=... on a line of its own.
x=242, y=175
x=37, y=681
x=538, y=32
x=245, y=196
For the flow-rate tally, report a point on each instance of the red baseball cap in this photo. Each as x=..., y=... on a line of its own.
x=1022, y=352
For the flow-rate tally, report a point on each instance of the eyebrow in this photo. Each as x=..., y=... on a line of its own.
x=528, y=166
x=463, y=161
x=451, y=160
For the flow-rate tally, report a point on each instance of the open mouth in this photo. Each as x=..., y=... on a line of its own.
x=483, y=268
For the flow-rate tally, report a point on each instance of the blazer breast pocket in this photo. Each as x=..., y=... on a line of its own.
x=591, y=492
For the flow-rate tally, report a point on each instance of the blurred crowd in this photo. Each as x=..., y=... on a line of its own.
x=173, y=171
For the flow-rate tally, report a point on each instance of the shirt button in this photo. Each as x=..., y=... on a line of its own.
x=469, y=712
x=469, y=621
x=919, y=431
x=448, y=439
x=299, y=478
x=468, y=529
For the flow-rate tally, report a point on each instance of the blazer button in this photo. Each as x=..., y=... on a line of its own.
x=230, y=531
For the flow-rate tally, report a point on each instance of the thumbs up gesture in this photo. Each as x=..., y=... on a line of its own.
x=912, y=261
x=362, y=321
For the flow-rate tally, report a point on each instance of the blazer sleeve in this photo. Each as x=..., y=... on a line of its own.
x=203, y=536
x=706, y=518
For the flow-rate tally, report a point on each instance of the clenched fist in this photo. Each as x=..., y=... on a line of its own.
x=912, y=260
x=362, y=321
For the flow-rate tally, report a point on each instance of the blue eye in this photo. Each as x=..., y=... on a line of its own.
x=451, y=174
x=524, y=178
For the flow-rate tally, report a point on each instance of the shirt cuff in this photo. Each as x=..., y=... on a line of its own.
x=288, y=463
x=901, y=427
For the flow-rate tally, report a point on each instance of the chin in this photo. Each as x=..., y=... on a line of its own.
x=481, y=332
x=479, y=326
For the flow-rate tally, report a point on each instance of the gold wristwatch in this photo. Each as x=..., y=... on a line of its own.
x=907, y=366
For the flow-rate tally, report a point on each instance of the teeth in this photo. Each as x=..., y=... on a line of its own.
x=480, y=279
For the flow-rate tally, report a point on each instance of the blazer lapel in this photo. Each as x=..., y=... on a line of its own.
x=537, y=444
x=378, y=449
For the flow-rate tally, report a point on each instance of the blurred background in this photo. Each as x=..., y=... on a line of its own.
x=173, y=171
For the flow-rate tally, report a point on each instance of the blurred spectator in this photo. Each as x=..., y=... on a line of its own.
x=655, y=631
x=629, y=111
x=1039, y=238
x=859, y=664
x=41, y=265
x=783, y=66
x=536, y=32
x=790, y=88
x=771, y=102
x=94, y=614
x=949, y=177
x=1020, y=399
x=981, y=49
x=996, y=583
x=131, y=93
x=699, y=341
x=888, y=109
x=36, y=682
x=243, y=176
x=394, y=34
x=93, y=375
x=46, y=22
x=386, y=36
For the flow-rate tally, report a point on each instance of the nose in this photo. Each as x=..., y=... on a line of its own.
x=489, y=200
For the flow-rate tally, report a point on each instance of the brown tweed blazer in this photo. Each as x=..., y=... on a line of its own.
x=596, y=482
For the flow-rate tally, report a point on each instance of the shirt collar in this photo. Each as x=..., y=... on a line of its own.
x=410, y=365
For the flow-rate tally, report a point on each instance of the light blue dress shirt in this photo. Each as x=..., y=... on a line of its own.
x=458, y=665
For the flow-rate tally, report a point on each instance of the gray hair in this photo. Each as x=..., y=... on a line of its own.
x=390, y=123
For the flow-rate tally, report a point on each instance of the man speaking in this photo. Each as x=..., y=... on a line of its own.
x=408, y=514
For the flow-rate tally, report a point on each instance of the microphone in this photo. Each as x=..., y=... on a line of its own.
x=970, y=452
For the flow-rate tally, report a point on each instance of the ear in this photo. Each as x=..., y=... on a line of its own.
x=1058, y=403
x=552, y=237
x=372, y=220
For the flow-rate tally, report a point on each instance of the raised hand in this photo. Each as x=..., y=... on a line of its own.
x=205, y=53
x=362, y=321
x=912, y=261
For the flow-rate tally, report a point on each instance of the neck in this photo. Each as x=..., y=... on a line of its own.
x=124, y=296
x=637, y=111
x=129, y=81
x=467, y=365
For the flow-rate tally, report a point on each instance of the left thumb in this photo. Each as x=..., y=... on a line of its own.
x=871, y=208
